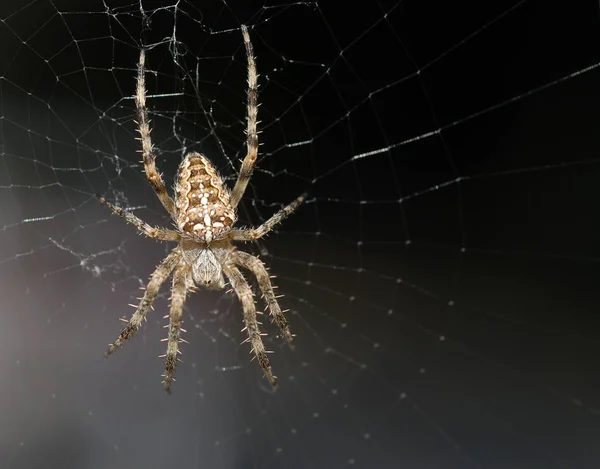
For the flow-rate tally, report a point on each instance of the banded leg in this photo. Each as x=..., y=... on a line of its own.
x=161, y=234
x=157, y=278
x=178, y=293
x=148, y=156
x=251, y=133
x=244, y=293
x=256, y=266
x=259, y=232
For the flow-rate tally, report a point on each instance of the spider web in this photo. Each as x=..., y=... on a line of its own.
x=441, y=278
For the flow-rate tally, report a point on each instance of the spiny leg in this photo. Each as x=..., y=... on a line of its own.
x=148, y=156
x=162, y=234
x=157, y=278
x=257, y=267
x=244, y=293
x=178, y=293
x=259, y=232
x=251, y=133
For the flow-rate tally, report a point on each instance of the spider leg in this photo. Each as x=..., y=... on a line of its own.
x=148, y=156
x=251, y=133
x=256, y=266
x=162, y=234
x=255, y=233
x=244, y=293
x=178, y=293
x=156, y=280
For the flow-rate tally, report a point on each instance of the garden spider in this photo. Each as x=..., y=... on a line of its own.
x=204, y=211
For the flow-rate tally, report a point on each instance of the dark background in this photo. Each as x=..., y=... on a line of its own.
x=442, y=277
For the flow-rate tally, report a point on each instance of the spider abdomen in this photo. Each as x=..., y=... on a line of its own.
x=202, y=199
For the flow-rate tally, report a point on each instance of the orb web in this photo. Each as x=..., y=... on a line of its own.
x=440, y=276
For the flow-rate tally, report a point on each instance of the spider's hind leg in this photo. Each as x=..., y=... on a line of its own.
x=148, y=156
x=250, y=234
x=162, y=234
x=251, y=118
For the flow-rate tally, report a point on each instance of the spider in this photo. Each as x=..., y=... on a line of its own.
x=204, y=212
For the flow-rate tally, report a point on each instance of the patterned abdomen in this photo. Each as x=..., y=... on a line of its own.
x=202, y=200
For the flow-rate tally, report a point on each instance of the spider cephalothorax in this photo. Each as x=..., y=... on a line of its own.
x=204, y=211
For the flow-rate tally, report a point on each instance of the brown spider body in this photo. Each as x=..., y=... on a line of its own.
x=203, y=202
x=204, y=211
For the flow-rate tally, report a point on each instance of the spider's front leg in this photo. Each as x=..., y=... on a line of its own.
x=244, y=293
x=178, y=293
x=256, y=266
x=157, y=278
